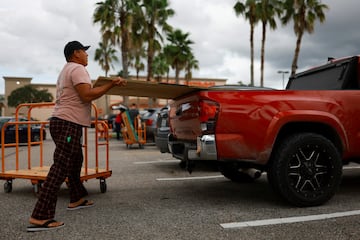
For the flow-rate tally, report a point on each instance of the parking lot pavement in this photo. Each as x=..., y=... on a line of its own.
x=150, y=197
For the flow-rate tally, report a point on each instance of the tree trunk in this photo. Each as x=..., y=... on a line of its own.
x=124, y=50
x=252, y=54
x=262, y=54
x=177, y=73
x=150, y=50
x=124, y=56
x=296, y=55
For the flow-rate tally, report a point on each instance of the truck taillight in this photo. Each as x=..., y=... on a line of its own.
x=208, y=111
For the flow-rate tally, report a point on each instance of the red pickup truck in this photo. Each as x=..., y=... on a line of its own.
x=301, y=137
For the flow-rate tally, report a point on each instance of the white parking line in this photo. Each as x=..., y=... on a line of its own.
x=189, y=178
x=175, y=161
x=158, y=161
x=275, y=221
x=351, y=167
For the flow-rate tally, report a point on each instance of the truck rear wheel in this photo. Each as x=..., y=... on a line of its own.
x=306, y=169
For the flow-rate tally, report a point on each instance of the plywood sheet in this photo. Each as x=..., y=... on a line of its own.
x=148, y=89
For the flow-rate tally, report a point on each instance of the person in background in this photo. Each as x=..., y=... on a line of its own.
x=72, y=112
x=118, y=121
x=133, y=112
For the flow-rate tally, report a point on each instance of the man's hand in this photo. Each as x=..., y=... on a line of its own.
x=119, y=81
x=87, y=94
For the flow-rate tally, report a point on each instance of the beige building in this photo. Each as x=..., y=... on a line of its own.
x=12, y=83
x=103, y=104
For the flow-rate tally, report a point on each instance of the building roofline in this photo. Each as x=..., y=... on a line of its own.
x=16, y=78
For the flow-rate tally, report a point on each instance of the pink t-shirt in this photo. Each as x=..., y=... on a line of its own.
x=68, y=105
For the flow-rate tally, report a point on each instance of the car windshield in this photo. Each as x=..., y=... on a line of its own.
x=4, y=120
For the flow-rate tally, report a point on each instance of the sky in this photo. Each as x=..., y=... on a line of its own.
x=33, y=35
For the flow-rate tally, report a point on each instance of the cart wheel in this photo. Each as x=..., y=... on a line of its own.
x=141, y=146
x=37, y=187
x=102, y=185
x=8, y=186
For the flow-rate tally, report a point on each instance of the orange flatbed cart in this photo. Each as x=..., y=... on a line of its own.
x=37, y=174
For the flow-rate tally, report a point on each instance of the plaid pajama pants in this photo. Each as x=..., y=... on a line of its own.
x=68, y=159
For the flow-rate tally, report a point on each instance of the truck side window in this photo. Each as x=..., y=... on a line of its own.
x=333, y=76
x=351, y=78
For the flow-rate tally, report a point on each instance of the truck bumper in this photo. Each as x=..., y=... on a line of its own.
x=203, y=149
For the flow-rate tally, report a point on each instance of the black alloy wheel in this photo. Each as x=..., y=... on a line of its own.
x=306, y=169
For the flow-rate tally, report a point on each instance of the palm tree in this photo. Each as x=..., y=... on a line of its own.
x=178, y=51
x=304, y=13
x=191, y=63
x=248, y=9
x=156, y=14
x=160, y=66
x=105, y=54
x=266, y=10
x=138, y=51
x=115, y=17
x=137, y=63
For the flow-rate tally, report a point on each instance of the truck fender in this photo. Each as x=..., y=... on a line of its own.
x=285, y=117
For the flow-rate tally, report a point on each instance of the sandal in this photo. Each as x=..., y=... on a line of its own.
x=44, y=227
x=85, y=204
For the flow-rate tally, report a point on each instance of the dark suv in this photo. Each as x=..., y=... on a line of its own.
x=162, y=130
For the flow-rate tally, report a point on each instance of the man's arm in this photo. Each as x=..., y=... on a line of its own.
x=88, y=94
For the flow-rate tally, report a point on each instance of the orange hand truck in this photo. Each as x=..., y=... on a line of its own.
x=133, y=133
x=37, y=174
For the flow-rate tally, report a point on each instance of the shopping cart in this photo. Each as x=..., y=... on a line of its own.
x=37, y=173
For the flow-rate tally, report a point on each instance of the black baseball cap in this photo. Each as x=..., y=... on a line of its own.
x=70, y=47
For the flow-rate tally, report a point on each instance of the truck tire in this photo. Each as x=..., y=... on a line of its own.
x=306, y=169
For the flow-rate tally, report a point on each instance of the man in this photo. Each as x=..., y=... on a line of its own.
x=133, y=113
x=72, y=112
